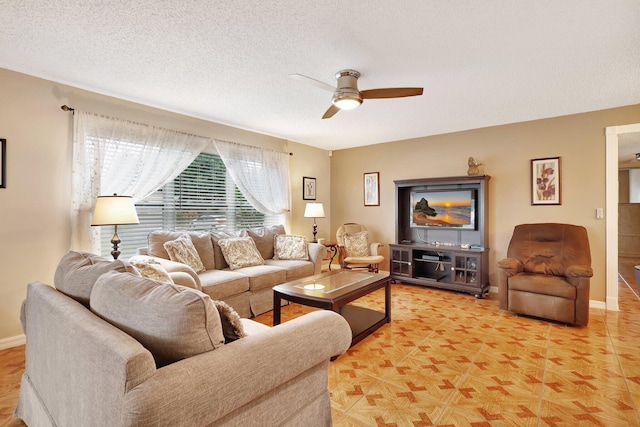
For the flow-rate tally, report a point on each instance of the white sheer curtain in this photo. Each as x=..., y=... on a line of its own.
x=261, y=175
x=118, y=156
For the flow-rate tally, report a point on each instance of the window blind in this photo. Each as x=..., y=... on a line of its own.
x=202, y=198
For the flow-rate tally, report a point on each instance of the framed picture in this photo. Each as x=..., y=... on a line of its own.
x=372, y=189
x=546, y=186
x=3, y=163
x=308, y=188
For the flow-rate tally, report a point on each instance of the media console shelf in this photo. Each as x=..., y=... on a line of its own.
x=450, y=254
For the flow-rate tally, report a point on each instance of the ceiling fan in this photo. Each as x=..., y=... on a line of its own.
x=346, y=95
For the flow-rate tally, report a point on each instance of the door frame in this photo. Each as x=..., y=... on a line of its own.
x=611, y=179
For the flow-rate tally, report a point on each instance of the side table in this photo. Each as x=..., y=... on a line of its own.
x=333, y=251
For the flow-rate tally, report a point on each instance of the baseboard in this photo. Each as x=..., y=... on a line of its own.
x=597, y=304
x=612, y=304
x=493, y=289
x=6, y=343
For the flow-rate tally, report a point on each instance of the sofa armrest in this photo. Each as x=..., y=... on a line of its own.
x=202, y=389
x=317, y=252
x=176, y=267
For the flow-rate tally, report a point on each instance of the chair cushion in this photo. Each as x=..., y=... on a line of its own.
x=240, y=252
x=544, y=285
x=291, y=247
x=357, y=244
x=182, y=250
x=151, y=269
x=172, y=322
x=77, y=272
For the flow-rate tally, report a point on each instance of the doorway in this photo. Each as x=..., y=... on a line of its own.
x=612, y=141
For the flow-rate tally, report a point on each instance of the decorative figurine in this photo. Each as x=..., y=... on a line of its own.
x=474, y=168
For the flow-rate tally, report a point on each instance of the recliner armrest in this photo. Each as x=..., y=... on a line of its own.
x=373, y=248
x=511, y=266
x=577, y=271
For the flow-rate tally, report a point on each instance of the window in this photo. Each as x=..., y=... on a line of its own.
x=202, y=198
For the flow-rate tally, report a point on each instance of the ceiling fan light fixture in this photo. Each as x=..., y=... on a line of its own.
x=347, y=103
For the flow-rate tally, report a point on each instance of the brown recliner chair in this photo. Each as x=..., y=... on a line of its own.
x=547, y=273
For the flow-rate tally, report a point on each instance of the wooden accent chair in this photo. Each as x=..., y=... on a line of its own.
x=355, y=251
x=547, y=273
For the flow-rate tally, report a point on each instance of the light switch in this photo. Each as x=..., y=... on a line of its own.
x=599, y=213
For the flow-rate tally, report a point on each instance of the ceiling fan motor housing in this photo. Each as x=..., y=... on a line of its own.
x=347, y=88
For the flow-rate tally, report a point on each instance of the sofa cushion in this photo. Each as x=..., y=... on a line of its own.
x=151, y=269
x=216, y=236
x=201, y=241
x=232, y=327
x=263, y=237
x=77, y=272
x=294, y=269
x=240, y=252
x=291, y=247
x=182, y=250
x=219, y=284
x=357, y=244
x=264, y=276
x=172, y=322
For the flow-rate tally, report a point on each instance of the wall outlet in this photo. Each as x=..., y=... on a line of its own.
x=599, y=213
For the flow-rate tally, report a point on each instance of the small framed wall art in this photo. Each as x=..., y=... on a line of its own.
x=546, y=185
x=372, y=189
x=308, y=188
x=3, y=163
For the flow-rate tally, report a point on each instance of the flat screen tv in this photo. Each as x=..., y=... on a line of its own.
x=444, y=209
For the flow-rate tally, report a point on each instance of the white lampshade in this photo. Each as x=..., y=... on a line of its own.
x=314, y=210
x=114, y=210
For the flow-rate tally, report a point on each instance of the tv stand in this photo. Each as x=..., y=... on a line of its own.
x=454, y=259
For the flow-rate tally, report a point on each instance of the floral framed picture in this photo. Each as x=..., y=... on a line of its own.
x=308, y=188
x=546, y=185
x=372, y=189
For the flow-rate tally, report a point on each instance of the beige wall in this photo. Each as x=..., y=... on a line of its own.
x=506, y=152
x=34, y=208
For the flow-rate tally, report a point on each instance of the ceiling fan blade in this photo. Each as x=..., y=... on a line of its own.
x=317, y=83
x=396, y=92
x=330, y=112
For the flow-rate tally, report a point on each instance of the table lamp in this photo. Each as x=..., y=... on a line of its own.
x=114, y=210
x=314, y=210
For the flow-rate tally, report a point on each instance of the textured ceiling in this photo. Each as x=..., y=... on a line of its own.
x=481, y=63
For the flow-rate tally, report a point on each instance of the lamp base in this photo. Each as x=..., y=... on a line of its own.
x=115, y=241
x=315, y=231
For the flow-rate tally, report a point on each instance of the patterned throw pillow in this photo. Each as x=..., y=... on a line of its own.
x=357, y=244
x=151, y=269
x=232, y=327
x=291, y=247
x=240, y=252
x=182, y=250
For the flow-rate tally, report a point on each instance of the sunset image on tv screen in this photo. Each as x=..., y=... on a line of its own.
x=442, y=208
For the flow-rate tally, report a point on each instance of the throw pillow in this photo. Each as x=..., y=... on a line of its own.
x=151, y=269
x=172, y=322
x=240, y=252
x=201, y=240
x=77, y=272
x=263, y=238
x=216, y=236
x=232, y=327
x=291, y=247
x=357, y=244
x=182, y=250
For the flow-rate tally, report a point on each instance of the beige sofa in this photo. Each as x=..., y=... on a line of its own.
x=81, y=369
x=248, y=289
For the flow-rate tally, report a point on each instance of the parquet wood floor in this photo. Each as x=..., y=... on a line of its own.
x=448, y=359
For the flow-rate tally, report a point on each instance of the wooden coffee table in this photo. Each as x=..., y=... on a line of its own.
x=334, y=291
